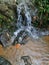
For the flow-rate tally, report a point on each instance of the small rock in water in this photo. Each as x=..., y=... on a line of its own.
x=3, y=61
x=17, y=46
x=27, y=60
x=5, y=39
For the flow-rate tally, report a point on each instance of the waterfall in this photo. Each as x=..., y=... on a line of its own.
x=24, y=25
x=24, y=22
x=22, y=1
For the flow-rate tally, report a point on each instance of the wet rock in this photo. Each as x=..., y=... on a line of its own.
x=3, y=61
x=8, y=1
x=27, y=60
x=4, y=10
x=5, y=39
x=7, y=17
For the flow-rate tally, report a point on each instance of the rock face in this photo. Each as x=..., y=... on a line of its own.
x=3, y=61
x=13, y=1
x=9, y=1
x=7, y=17
x=7, y=14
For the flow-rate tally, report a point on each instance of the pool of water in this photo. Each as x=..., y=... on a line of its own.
x=37, y=50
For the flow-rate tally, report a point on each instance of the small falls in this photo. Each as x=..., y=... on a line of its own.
x=24, y=24
x=24, y=19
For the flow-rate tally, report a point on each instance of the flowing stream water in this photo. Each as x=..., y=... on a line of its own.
x=24, y=20
x=36, y=48
x=25, y=28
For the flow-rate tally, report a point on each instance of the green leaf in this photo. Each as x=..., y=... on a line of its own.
x=48, y=10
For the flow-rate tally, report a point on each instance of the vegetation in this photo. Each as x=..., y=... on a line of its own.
x=7, y=16
x=43, y=13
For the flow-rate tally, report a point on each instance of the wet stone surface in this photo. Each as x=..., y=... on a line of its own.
x=3, y=61
x=27, y=60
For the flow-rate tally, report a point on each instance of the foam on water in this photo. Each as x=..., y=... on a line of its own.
x=24, y=23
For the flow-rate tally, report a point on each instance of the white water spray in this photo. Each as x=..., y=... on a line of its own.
x=24, y=22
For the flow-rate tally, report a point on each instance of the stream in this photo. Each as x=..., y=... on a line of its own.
x=36, y=49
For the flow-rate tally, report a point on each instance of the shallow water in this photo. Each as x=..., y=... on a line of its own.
x=36, y=50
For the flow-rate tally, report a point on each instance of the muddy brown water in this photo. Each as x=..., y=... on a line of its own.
x=38, y=52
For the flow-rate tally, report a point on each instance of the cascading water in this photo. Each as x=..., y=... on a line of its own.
x=24, y=22
x=24, y=25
